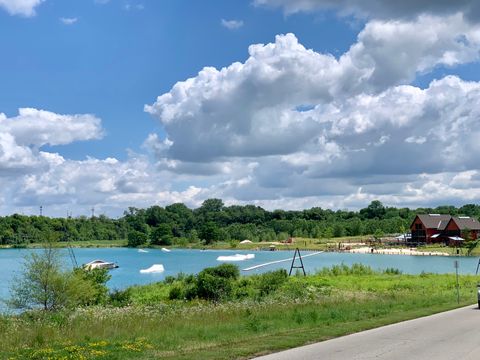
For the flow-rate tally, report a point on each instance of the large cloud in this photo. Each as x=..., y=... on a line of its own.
x=254, y=109
x=379, y=8
x=34, y=127
x=31, y=175
x=20, y=7
x=22, y=136
x=288, y=128
x=292, y=126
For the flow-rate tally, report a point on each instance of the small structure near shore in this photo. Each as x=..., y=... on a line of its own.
x=100, y=264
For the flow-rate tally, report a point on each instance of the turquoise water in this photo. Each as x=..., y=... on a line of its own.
x=131, y=261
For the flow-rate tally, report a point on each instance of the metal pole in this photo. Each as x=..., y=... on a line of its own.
x=458, y=286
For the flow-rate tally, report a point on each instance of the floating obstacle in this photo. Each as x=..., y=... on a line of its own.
x=156, y=268
x=236, y=257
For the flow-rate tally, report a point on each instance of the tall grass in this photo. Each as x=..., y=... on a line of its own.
x=334, y=302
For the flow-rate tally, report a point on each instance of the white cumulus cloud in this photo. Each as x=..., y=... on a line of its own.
x=232, y=24
x=68, y=21
x=294, y=126
x=20, y=7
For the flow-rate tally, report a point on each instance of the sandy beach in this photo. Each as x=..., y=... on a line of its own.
x=395, y=251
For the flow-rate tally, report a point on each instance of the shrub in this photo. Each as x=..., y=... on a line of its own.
x=227, y=271
x=120, y=297
x=271, y=281
x=98, y=279
x=392, y=271
x=43, y=284
x=177, y=292
x=213, y=287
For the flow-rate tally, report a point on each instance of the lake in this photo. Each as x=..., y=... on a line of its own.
x=131, y=261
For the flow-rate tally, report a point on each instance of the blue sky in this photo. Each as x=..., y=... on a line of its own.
x=113, y=55
x=345, y=102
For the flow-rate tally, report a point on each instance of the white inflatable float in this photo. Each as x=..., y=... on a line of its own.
x=156, y=268
x=236, y=257
x=166, y=250
x=142, y=251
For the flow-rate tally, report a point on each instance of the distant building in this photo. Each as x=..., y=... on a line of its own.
x=430, y=228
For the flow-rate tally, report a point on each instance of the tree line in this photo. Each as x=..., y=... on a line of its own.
x=213, y=221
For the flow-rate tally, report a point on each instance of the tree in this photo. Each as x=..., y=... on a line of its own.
x=212, y=205
x=375, y=210
x=162, y=235
x=136, y=238
x=378, y=235
x=338, y=230
x=97, y=291
x=209, y=232
x=469, y=243
x=44, y=284
x=41, y=283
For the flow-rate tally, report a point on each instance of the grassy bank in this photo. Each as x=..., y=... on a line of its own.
x=257, y=317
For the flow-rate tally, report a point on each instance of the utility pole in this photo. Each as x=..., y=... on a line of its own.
x=456, y=265
x=41, y=210
x=93, y=212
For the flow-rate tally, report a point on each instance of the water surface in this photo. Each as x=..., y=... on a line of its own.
x=131, y=261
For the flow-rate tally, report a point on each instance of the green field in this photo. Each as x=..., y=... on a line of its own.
x=260, y=315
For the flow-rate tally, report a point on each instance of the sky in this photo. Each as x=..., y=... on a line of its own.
x=285, y=104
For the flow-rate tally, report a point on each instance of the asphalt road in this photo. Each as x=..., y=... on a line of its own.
x=451, y=335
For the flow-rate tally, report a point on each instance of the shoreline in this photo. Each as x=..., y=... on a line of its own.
x=260, y=247
x=395, y=251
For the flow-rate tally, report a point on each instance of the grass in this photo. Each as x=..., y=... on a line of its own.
x=332, y=303
x=448, y=249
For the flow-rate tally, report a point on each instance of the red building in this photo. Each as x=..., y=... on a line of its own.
x=430, y=228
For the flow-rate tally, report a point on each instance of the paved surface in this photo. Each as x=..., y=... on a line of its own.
x=450, y=335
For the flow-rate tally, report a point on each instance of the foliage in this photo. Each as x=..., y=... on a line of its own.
x=301, y=310
x=469, y=243
x=41, y=283
x=97, y=279
x=213, y=221
x=271, y=281
x=44, y=284
x=162, y=235
x=120, y=297
x=136, y=238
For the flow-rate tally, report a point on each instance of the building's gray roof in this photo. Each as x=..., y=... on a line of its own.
x=464, y=222
x=434, y=221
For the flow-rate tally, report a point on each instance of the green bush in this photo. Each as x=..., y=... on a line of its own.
x=227, y=271
x=214, y=288
x=177, y=292
x=44, y=284
x=120, y=297
x=392, y=271
x=271, y=281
